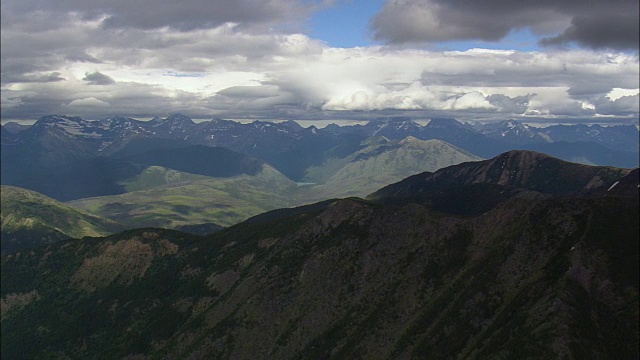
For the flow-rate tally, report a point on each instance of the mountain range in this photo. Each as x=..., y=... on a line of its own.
x=54, y=140
x=135, y=171
x=519, y=256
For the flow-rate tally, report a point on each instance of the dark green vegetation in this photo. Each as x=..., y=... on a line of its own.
x=541, y=272
x=30, y=219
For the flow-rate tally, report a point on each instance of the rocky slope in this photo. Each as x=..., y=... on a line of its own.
x=521, y=169
x=547, y=273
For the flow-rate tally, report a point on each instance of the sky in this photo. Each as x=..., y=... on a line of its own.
x=321, y=59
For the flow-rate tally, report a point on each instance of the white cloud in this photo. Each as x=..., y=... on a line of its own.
x=228, y=70
x=617, y=93
x=89, y=102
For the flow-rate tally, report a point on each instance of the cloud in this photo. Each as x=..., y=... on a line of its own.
x=90, y=102
x=184, y=15
x=620, y=106
x=315, y=82
x=35, y=78
x=250, y=92
x=594, y=24
x=98, y=78
x=513, y=105
x=614, y=31
x=233, y=70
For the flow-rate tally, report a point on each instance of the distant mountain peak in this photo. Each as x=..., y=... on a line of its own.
x=292, y=124
x=58, y=119
x=175, y=124
x=514, y=124
x=118, y=118
x=178, y=118
x=437, y=123
x=155, y=120
x=14, y=127
x=530, y=154
x=409, y=140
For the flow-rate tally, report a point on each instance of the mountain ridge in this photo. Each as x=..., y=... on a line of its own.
x=531, y=277
x=521, y=168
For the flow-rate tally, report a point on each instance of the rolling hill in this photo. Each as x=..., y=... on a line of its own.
x=159, y=199
x=30, y=219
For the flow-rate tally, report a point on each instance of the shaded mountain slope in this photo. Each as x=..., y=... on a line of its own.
x=106, y=175
x=534, y=276
x=202, y=160
x=627, y=186
x=453, y=132
x=98, y=176
x=518, y=168
x=288, y=148
x=547, y=278
x=30, y=219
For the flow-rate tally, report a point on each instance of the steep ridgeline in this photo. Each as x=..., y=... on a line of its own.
x=31, y=219
x=546, y=273
x=474, y=186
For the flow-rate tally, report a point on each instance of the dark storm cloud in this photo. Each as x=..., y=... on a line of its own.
x=98, y=78
x=52, y=77
x=183, y=15
x=595, y=24
x=41, y=45
x=614, y=31
x=95, y=102
x=83, y=57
